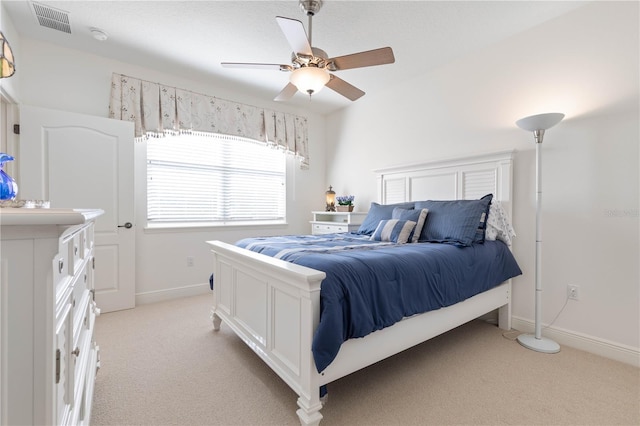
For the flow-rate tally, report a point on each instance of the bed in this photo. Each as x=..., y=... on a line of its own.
x=275, y=306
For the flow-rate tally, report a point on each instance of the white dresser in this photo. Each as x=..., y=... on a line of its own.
x=49, y=357
x=334, y=222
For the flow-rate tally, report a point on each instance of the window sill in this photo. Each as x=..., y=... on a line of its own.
x=200, y=227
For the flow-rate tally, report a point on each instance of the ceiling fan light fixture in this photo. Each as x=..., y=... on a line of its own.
x=310, y=80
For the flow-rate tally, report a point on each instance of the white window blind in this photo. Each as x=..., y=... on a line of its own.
x=214, y=178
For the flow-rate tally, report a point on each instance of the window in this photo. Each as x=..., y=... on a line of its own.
x=214, y=179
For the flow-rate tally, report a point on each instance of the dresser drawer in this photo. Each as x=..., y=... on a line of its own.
x=75, y=252
x=82, y=357
x=82, y=296
x=88, y=239
x=60, y=267
x=64, y=362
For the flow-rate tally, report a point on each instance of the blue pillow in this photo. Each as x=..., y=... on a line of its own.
x=456, y=222
x=416, y=215
x=394, y=230
x=378, y=212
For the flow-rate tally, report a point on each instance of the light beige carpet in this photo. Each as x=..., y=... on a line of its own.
x=162, y=364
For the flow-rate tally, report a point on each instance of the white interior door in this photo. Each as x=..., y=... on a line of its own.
x=82, y=161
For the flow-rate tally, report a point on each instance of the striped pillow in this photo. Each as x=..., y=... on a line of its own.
x=393, y=230
x=378, y=212
x=418, y=216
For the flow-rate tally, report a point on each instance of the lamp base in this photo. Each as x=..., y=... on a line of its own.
x=542, y=344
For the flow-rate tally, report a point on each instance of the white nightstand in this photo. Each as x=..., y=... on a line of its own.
x=334, y=222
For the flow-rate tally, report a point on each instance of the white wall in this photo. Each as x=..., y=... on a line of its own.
x=584, y=64
x=70, y=80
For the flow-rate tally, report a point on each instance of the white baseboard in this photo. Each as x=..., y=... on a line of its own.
x=611, y=350
x=172, y=293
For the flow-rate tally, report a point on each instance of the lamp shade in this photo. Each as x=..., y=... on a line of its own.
x=7, y=66
x=540, y=121
x=310, y=80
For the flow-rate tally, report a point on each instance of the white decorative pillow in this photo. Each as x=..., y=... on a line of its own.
x=393, y=230
x=498, y=224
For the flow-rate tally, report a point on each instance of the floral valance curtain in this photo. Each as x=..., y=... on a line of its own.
x=158, y=110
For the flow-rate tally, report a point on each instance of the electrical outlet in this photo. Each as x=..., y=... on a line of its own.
x=189, y=261
x=572, y=292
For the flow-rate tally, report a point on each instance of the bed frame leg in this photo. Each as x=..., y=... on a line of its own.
x=216, y=320
x=504, y=317
x=309, y=413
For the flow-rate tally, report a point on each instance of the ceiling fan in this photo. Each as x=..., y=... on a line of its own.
x=310, y=66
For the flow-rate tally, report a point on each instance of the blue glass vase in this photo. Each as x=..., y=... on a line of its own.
x=8, y=186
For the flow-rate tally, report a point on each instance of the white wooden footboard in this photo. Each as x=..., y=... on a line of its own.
x=274, y=306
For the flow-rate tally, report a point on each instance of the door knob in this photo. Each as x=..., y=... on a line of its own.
x=126, y=225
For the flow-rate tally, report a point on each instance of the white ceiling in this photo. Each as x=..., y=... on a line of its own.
x=191, y=38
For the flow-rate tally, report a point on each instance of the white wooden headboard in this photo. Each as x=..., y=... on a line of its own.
x=462, y=178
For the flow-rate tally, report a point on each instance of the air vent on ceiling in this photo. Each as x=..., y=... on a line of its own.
x=50, y=17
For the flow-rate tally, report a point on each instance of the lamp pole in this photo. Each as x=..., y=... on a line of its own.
x=538, y=135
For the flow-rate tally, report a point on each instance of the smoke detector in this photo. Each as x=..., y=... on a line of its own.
x=98, y=34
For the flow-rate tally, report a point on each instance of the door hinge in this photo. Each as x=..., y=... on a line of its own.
x=57, y=366
x=16, y=129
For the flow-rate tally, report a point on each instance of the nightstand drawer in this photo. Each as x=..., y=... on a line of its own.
x=328, y=228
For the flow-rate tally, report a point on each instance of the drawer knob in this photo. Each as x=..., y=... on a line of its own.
x=75, y=250
x=60, y=265
x=76, y=351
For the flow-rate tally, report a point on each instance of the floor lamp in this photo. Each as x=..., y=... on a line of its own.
x=538, y=124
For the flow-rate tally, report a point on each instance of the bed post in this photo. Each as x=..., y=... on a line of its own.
x=309, y=396
x=309, y=412
x=215, y=319
x=504, y=312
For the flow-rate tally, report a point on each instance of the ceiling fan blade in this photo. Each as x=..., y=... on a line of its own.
x=286, y=93
x=381, y=56
x=345, y=89
x=276, y=67
x=296, y=36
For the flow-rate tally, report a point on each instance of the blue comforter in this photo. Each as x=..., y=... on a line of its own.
x=371, y=285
